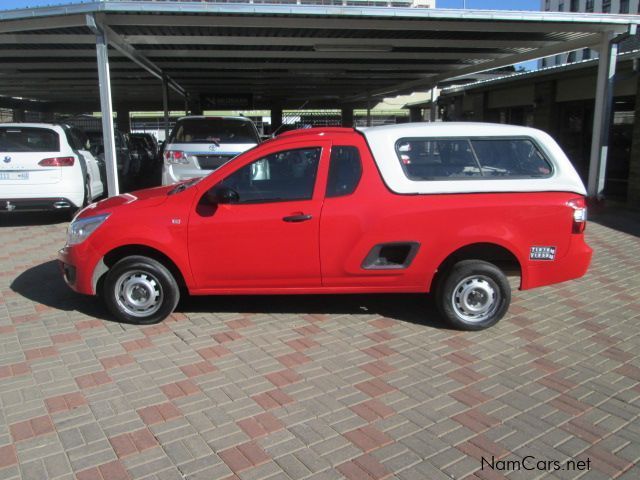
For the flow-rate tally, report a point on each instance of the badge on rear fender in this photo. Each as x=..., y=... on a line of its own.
x=542, y=253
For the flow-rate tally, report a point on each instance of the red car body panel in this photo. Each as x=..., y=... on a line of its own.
x=249, y=249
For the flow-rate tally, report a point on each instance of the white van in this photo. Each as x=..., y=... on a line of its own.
x=198, y=145
x=46, y=167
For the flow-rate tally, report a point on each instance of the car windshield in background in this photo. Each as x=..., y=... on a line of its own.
x=213, y=130
x=28, y=139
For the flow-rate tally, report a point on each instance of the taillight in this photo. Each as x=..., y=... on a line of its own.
x=57, y=162
x=579, y=214
x=174, y=157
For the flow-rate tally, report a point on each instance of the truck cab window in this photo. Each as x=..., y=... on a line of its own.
x=283, y=176
x=345, y=170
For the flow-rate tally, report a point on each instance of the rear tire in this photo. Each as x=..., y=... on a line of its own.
x=140, y=290
x=473, y=295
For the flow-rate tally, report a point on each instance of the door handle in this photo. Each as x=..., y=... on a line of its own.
x=297, y=218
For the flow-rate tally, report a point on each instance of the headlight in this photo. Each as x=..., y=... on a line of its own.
x=80, y=229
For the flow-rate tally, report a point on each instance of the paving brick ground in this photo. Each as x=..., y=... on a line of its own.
x=315, y=387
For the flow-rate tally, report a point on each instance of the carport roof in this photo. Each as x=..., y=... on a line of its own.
x=283, y=55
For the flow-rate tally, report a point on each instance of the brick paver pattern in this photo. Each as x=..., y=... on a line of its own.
x=316, y=387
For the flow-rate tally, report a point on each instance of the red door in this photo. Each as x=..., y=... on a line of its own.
x=267, y=237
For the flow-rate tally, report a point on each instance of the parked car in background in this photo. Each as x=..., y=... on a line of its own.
x=151, y=144
x=142, y=154
x=198, y=145
x=46, y=167
x=447, y=208
x=128, y=167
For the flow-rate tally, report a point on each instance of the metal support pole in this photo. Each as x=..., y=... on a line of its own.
x=346, y=114
x=165, y=106
x=368, y=111
x=106, y=108
x=602, y=115
x=433, y=112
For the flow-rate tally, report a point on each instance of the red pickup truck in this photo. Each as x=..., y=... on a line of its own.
x=447, y=208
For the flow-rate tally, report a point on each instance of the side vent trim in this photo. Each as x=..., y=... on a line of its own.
x=391, y=256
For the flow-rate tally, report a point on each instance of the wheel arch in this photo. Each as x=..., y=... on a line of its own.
x=118, y=253
x=501, y=256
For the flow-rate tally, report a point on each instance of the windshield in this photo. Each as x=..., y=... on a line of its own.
x=213, y=130
x=28, y=139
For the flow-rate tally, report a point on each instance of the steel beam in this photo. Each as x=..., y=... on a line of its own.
x=602, y=116
x=464, y=23
x=588, y=41
x=106, y=107
x=258, y=54
x=42, y=23
x=165, y=106
x=285, y=40
x=215, y=66
x=85, y=39
x=132, y=54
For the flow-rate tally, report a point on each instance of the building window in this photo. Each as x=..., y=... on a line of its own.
x=561, y=7
x=624, y=6
x=606, y=6
x=571, y=57
x=586, y=54
x=589, y=6
x=575, y=5
x=547, y=5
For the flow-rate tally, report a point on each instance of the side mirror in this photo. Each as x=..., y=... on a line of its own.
x=220, y=195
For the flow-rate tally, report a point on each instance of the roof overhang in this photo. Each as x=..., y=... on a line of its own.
x=273, y=54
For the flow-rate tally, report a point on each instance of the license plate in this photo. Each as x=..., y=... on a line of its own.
x=14, y=175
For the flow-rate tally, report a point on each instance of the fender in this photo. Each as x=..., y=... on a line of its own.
x=434, y=263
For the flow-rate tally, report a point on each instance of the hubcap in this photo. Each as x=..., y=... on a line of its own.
x=475, y=298
x=138, y=293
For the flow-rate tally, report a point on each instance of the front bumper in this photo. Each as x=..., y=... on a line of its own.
x=77, y=265
x=36, y=204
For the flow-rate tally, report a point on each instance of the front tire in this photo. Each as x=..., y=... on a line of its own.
x=473, y=295
x=140, y=290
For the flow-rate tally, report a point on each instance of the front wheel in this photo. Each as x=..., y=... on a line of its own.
x=473, y=295
x=140, y=290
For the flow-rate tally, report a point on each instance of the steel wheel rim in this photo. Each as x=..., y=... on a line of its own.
x=475, y=298
x=139, y=293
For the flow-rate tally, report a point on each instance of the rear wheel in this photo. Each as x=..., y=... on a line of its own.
x=140, y=290
x=473, y=295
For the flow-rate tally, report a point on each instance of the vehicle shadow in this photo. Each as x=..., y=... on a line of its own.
x=25, y=219
x=414, y=308
x=44, y=284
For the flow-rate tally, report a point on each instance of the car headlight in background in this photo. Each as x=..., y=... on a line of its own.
x=81, y=228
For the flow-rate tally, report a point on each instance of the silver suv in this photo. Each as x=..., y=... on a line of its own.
x=198, y=145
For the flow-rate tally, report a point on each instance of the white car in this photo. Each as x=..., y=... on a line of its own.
x=198, y=145
x=46, y=167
